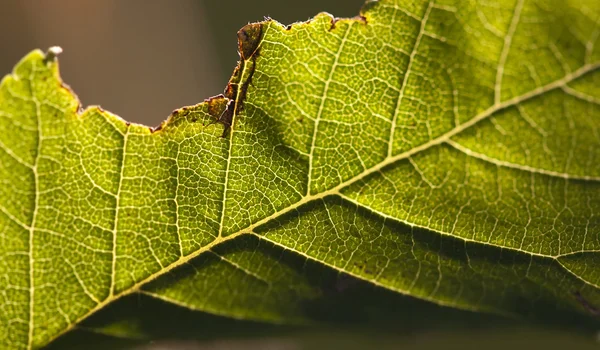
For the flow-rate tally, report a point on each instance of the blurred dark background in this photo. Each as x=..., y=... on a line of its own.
x=141, y=59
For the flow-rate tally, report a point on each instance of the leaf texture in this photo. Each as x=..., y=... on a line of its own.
x=444, y=150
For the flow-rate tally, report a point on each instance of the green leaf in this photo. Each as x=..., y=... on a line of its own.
x=139, y=320
x=445, y=151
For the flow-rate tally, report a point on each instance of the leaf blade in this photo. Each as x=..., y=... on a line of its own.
x=140, y=202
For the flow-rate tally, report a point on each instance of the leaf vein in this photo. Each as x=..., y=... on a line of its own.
x=116, y=218
x=406, y=76
x=505, y=164
x=505, y=50
x=322, y=105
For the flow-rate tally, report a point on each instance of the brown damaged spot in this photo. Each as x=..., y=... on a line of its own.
x=154, y=129
x=335, y=20
x=226, y=118
x=232, y=85
x=221, y=109
x=249, y=39
x=216, y=105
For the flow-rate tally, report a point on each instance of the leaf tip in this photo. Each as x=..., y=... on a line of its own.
x=52, y=53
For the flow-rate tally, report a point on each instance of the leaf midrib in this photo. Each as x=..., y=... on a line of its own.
x=116, y=217
x=36, y=184
x=337, y=191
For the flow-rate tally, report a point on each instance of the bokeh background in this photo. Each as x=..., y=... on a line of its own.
x=141, y=59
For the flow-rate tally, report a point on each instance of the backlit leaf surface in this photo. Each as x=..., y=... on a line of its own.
x=445, y=150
